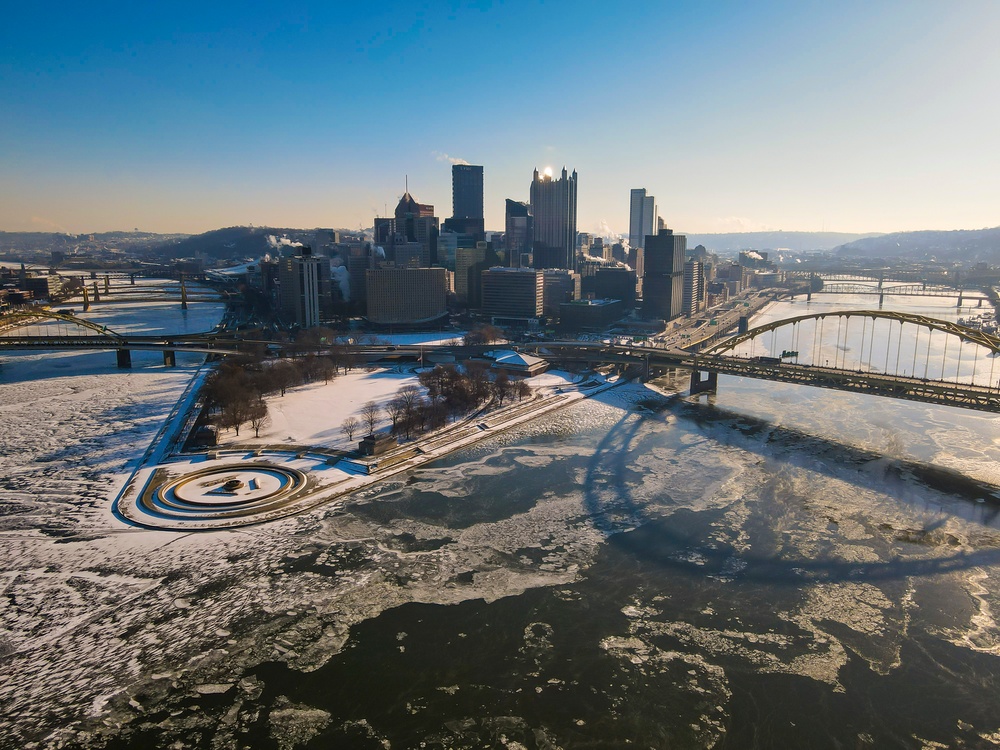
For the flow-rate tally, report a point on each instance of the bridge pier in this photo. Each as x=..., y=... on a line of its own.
x=709, y=384
x=744, y=324
x=169, y=358
x=881, y=299
x=959, y=299
x=124, y=359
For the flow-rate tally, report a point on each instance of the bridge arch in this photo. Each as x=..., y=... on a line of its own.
x=23, y=318
x=877, y=341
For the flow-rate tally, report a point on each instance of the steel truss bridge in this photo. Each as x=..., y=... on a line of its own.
x=896, y=355
x=875, y=352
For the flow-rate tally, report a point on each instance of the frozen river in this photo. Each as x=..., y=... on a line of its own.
x=773, y=566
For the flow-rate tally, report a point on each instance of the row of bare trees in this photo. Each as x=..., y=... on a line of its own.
x=237, y=389
x=450, y=392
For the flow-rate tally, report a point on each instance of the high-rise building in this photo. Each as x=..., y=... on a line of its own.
x=559, y=285
x=513, y=295
x=470, y=262
x=413, y=222
x=400, y=296
x=519, y=233
x=466, y=191
x=694, y=288
x=467, y=202
x=553, y=206
x=300, y=279
x=642, y=217
x=663, y=275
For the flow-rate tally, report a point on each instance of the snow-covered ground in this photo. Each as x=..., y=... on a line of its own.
x=313, y=414
x=93, y=608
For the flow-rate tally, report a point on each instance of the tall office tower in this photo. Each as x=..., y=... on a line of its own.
x=553, y=206
x=663, y=275
x=694, y=288
x=518, y=235
x=642, y=217
x=466, y=200
x=300, y=280
x=513, y=295
x=413, y=222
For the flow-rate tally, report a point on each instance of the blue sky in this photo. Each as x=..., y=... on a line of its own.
x=847, y=116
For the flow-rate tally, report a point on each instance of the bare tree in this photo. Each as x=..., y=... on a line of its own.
x=369, y=416
x=258, y=417
x=285, y=375
x=237, y=407
x=394, y=410
x=522, y=389
x=350, y=426
x=501, y=388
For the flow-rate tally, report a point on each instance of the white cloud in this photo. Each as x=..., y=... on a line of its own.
x=47, y=223
x=444, y=157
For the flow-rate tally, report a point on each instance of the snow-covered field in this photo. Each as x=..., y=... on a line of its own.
x=313, y=414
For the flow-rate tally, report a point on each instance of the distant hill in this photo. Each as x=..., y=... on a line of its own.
x=241, y=242
x=966, y=245
x=798, y=241
x=49, y=241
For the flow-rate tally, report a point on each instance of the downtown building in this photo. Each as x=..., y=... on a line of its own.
x=642, y=217
x=466, y=202
x=413, y=224
x=693, y=299
x=304, y=290
x=406, y=296
x=663, y=275
x=553, y=208
x=470, y=262
x=513, y=296
x=518, y=234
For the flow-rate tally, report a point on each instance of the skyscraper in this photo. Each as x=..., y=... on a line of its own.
x=694, y=288
x=413, y=222
x=466, y=201
x=642, y=217
x=301, y=278
x=518, y=233
x=553, y=206
x=467, y=191
x=663, y=275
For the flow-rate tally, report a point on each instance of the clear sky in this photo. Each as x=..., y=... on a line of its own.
x=869, y=115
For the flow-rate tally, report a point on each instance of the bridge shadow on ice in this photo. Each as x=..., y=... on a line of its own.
x=655, y=536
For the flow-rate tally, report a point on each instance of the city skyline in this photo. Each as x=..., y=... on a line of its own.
x=784, y=116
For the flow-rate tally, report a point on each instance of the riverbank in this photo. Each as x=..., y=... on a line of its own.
x=159, y=495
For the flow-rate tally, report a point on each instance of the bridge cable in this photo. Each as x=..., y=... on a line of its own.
x=927, y=356
x=864, y=327
x=836, y=349
x=944, y=356
x=899, y=346
x=916, y=342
